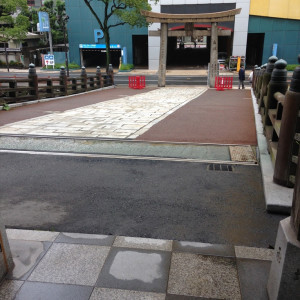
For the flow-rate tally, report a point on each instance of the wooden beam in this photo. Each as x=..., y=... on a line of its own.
x=223, y=16
x=196, y=33
x=196, y=20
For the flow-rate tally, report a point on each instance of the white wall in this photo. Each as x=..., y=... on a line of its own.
x=240, y=27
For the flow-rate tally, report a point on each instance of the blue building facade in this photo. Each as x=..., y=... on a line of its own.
x=285, y=33
x=253, y=35
x=81, y=28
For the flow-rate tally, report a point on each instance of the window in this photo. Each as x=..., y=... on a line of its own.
x=3, y=45
x=31, y=2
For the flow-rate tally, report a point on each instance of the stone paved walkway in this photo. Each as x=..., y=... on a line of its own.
x=53, y=265
x=126, y=117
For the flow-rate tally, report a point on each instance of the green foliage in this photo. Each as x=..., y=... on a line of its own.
x=9, y=7
x=57, y=13
x=12, y=63
x=291, y=67
x=73, y=66
x=125, y=67
x=5, y=107
x=13, y=27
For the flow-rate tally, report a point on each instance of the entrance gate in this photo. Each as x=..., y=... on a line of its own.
x=189, y=20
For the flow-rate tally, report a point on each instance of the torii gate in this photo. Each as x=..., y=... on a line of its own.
x=189, y=20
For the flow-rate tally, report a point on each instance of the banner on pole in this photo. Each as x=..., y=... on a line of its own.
x=44, y=21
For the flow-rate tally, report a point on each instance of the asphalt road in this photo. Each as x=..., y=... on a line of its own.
x=157, y=199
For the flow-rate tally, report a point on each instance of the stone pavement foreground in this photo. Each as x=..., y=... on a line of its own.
x=125, y=117
x=53, y=265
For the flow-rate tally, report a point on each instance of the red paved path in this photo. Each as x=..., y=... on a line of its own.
x=216, y=117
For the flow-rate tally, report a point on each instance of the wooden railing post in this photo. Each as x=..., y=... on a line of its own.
x=33, y=82
x=110, y=75
x=100, y=78
x=13, y=85
x=295, y=213
x=63, y=80
x=278, y=83
x=74, y=84
x=290, y=125
x=92, y=83
x=49, y=90
x=265, y=81
x=259, y=81
x=83, y=79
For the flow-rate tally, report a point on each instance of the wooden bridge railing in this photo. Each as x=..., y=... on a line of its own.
x=280, y=110
x=14, y=90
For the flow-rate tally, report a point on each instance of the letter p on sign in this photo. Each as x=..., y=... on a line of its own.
x=98, y=34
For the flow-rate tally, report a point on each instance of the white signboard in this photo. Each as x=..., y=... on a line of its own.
x=49, y=60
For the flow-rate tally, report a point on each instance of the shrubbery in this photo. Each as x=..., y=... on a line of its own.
x=291, y=67
x=57, y=66
x=126, y=67
x=12, y=63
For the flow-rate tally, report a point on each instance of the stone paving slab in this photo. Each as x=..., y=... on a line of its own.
x=71, y=264
x=116, y=147
x=23, y=250
x=126, y=117
x=203, y=276
x=135, y=268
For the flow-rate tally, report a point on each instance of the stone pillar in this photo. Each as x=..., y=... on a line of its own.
x=163, y=55
x=213, y=72
x=6, y=261
x=284, y=277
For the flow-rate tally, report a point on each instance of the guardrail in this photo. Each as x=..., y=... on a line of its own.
x=223, y=82
x=14, y=90
x=280, y=111
x=136, y=82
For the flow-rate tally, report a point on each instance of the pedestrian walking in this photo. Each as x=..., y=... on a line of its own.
x=241, y=77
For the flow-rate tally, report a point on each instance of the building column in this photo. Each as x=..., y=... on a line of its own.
x=213, y=71
x=163, y=55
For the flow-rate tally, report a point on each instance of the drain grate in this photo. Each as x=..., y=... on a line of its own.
x=220, y=167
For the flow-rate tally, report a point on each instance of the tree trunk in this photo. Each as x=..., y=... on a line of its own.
x=107, y=44
x=6, y=57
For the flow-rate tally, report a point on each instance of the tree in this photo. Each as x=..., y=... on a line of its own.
x=124, y=12
x=57, y=15
x=14, y=23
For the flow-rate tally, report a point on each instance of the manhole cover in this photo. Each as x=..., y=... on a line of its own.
x=242, y=153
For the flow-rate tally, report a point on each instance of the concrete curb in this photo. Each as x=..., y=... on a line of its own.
x=278, y=198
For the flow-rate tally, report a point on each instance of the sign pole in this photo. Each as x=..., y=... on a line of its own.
x=50, y=42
